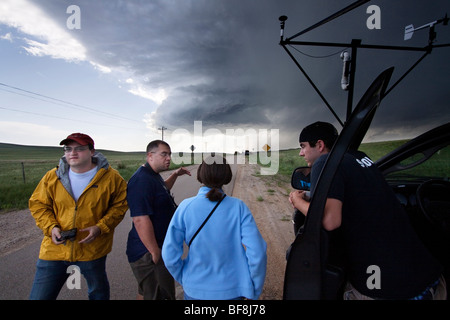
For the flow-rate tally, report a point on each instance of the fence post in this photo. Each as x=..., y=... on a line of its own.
x=23, y=173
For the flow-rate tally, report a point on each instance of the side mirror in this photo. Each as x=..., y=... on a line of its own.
x=300, y=179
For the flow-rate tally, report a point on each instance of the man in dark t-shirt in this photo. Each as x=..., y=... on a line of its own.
x=151, y=208
x=385, y=257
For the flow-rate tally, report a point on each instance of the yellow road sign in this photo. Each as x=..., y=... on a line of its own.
x=266, y=147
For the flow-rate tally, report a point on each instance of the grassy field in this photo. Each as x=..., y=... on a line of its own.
x=22, y=167
x=290, y=159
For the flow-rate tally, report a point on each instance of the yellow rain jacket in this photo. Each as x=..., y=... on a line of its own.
x=103, y=203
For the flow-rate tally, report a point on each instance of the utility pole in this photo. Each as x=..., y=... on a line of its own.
x=162, y=132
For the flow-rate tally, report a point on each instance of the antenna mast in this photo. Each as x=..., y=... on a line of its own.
x=349, y=71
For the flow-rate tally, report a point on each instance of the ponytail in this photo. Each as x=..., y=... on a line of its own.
x=215, y=194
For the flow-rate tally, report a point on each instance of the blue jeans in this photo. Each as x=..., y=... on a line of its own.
x=51, y=276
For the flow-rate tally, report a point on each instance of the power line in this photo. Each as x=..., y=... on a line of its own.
x=62, y=118
x=63, y=103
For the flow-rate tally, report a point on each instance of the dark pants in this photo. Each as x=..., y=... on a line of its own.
x=154, y=280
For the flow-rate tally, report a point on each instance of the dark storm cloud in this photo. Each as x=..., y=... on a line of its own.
x=219, y=60
x=212, y=105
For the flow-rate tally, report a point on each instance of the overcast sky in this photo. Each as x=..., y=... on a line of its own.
x=136, y=66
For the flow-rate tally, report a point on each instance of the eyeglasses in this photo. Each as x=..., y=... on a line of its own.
x=76, y=149
x=163, y=154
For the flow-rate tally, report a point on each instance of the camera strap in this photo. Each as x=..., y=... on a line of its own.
x=206, y=220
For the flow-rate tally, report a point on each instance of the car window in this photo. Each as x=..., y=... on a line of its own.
x=436, y=167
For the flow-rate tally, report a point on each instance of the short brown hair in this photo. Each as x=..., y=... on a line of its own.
x=214, y=172
x=155, y=144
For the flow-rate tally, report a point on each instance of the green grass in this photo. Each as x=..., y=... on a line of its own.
x=33, y=162
x=375, y=150
x=36, y=161
x=290, y=159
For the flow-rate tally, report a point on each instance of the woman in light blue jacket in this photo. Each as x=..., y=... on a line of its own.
x=227, y=259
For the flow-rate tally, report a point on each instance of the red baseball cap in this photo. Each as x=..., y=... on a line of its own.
x=81, y=138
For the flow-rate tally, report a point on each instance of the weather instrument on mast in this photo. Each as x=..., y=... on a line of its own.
x=409, y=29
x=349, y=58
x=346, y=58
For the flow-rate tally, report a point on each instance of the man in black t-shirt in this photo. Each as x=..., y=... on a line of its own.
x=385, y=258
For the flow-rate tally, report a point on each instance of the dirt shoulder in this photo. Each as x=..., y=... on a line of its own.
x=17, y=229
x=268, y=202
x=266, y=198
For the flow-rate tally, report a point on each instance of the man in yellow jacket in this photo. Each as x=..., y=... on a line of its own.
x=77, y=205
